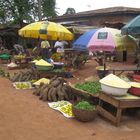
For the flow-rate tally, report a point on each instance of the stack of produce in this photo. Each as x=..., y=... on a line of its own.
x=42, y=80
x=56, y=90
x=91, y=87
x=43, y=65
x=42, y=62
x=26, y=75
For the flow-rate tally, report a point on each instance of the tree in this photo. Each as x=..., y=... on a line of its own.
x=70, y=11
x=19, y=11
x=15, y=10
x=48, y=8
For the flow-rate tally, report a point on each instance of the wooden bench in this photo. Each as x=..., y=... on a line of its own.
x=124, y=69
x=119, y=103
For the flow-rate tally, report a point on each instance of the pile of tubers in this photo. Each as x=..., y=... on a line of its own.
x=56, y=90
x=26, y=75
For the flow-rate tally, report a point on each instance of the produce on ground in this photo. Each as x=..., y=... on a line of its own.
x=26, y=75
x=91, y=87
x=67, y=109
x=22, y=85
x=56, y=90
x=84, y=105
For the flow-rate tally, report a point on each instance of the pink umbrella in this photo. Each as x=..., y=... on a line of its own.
x=103, y=40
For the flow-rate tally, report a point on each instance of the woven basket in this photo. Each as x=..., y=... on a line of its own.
x=84, y=115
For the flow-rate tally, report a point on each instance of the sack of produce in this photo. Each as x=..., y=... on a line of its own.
x=42, y=80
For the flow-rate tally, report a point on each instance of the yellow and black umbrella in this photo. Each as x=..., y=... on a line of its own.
x=46, y=30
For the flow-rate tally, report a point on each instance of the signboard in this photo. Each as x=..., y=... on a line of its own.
x=102, y=35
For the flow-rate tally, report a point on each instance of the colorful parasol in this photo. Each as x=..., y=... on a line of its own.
x=132, y=28
x=104, y=39
x=46, y=30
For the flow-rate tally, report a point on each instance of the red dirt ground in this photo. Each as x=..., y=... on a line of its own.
x=24, y=117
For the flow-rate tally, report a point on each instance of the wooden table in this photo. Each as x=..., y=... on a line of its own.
x=119, y=103
x=124, y=69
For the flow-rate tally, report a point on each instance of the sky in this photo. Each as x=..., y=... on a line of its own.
x=85, y=5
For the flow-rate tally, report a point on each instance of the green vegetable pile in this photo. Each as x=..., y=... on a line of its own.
x=84, y=105
x=91, y=87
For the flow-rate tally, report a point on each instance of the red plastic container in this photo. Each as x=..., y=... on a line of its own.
x=136, y=78
x=135, y=90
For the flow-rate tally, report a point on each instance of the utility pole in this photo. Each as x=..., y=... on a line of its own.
x=39, y=10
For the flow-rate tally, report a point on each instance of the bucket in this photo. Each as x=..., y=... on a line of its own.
x=101, y=72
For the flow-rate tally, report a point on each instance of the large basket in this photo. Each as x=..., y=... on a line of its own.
x=84, y=115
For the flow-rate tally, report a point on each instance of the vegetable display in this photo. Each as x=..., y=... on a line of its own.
x=91, y=87
x=84, y=105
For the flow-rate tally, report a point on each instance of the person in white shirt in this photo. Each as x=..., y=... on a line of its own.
x=60, y=48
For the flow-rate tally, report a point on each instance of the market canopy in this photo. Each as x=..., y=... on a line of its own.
x=46, y=30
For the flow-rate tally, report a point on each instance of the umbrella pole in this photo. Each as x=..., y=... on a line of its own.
x=138, y=54
x=104, y=63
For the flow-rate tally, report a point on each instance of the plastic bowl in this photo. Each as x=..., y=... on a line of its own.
x=115, y=91
x=136, y=78
x=134, y=89
x=58, y=65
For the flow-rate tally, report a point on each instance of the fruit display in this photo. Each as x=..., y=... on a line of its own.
x=64, y=107
x=67, y=110
x=59, y=104
x=91, y=87
x=22, y=85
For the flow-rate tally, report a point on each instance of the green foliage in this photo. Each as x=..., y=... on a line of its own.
x=48, y=8
x=84, y=105
x=91, y=87
x=18, y=11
